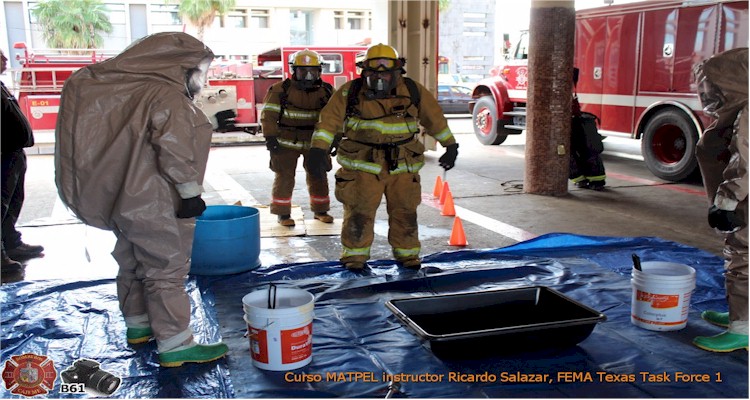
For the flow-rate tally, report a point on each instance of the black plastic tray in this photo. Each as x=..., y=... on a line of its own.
x=497, y=321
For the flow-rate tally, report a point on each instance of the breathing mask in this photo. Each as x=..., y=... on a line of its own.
x=380, y=81
x=307, y=78
x=196, y=77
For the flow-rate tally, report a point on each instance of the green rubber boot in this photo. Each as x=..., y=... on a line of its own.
x=200, y=353
x=717, y=318
x=722, y=343
x=139, y=335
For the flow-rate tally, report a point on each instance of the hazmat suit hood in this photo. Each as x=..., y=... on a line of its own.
x=130, y=141
x=722, y=150
x=722, y=82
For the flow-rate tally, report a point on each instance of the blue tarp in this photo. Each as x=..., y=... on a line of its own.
x=354, y=331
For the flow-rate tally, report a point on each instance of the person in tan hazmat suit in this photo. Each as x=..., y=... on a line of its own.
x=722, y=156
x=130, y=157
x=379, y=115
x=290, y=111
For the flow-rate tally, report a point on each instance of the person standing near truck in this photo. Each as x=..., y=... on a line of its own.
x=291, y=109
x=16, y=135
x=723, y=159
x=130, y=157
x=380, y=115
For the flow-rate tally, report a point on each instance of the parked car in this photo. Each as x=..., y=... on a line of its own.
x=454, y=99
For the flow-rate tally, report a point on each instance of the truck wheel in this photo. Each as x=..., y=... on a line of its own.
x=488, y=129
x=668, y=145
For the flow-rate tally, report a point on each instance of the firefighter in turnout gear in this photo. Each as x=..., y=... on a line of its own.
x=375, y=120
x=289, y=115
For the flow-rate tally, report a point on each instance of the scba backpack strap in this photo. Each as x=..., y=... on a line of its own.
x=284, y=97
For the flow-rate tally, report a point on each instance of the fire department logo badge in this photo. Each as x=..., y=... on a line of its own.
x=522, y=78
x=29, y=374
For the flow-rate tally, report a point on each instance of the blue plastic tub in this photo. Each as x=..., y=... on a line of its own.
x=227, y=241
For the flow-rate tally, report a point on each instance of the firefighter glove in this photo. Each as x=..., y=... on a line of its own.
x=225, y=120
x=724, y=220
x=272, y=143
x=448, y=160
x=191, y=207
x=317, y=162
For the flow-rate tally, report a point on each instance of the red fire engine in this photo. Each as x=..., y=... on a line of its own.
x=635, y=64
x=242, y=88
x=338, y=62
x=231, y=86
x=39, y=82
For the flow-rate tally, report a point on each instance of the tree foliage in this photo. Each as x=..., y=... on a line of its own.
x=443, y=5
x=72, y=24
x=201, y=13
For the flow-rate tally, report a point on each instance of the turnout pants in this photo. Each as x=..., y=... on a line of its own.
x=360, y=193
x=13, y=181
x=284, y=164
x=585, y=151
x=154, y=263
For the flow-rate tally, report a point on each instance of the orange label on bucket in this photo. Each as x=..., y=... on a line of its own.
x=296, y=344
x=659, y=300
x=258, y=344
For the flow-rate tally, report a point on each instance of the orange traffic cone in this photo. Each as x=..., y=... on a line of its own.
x=448, y=208
x=458, y=238
x=438, y=187
x=445, y=191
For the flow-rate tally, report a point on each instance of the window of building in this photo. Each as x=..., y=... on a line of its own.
x=352, y=20
x=300, y=27
x=116, y=13
x=474, y=33
x=259, y=18
x=165, y=14
x=236, y=18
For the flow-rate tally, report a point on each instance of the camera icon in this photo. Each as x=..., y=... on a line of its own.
x=87, y=373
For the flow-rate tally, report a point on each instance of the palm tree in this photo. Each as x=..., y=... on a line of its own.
x=201, y=13
x=72, y=24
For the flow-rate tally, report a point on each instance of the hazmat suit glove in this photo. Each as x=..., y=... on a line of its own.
x=725, y=220
x=191, y=207
x=272, y=144
x=448, y=159
x=317, y=162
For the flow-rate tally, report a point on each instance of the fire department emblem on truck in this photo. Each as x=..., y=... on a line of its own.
x=29, y=375
x=522, y=78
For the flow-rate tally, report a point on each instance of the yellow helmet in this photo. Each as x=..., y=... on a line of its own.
x=382, y=57
x=305, y=58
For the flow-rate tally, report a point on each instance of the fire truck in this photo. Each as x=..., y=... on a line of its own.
x=242, y=88
x=40, y=79
x=239, y=87
x=635, y=63
x=338, y=62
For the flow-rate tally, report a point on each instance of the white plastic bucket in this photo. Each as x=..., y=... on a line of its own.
x=280, y=337
x=661, y=295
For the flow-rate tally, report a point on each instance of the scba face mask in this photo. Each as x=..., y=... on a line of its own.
x=196, y=77
x=307, y=78
x=379, y=84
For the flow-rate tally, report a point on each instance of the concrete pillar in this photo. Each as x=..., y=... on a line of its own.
x=414, y=34
x=551, y=48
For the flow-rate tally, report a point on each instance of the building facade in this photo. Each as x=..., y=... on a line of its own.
x=252, y=27
x=467, y=38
